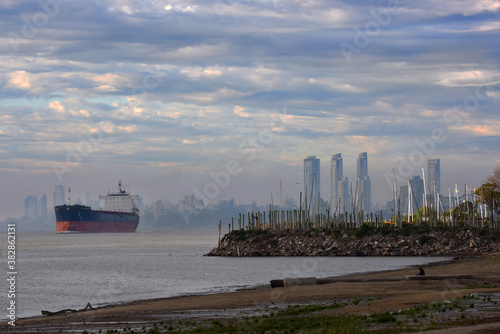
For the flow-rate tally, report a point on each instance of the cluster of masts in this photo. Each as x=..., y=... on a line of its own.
x=435, y=205
x=432, y=210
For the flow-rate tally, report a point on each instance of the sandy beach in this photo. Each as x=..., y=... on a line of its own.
x=374, y=293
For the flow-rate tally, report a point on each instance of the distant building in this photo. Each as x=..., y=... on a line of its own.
x=157, y=210
x=94, y=204
x=344, y=200
x=31, y=207
x=363, y=164
x=336, y=174
x=59, y=195
x=364, y=183
x=312, y=181
x=433, y=179
x=416, y=193
x=88, y=198
x=42, y=206
x=339, y=186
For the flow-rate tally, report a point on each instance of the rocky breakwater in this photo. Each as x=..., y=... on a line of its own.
x=365, y=241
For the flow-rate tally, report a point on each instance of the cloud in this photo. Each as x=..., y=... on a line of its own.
x=197, y=51
x=19, y=79
x=57, y=106
x=468, y=78
x=335, y=85
x=240, y=111
x=175, y=87
x=196, y=73
x=463, y=7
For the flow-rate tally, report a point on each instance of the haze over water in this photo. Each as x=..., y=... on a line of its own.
x=59, y=271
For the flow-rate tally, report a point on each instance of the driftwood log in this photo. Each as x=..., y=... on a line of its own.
x=68, y=310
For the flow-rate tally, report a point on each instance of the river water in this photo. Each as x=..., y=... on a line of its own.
x=58, y=271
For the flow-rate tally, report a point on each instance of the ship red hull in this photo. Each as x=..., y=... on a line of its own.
x=95, y=226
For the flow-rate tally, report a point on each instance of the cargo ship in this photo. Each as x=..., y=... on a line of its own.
x=119, y=214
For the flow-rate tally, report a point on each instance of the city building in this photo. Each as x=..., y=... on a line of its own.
x=339, y=186
x=416, y=193
x=30, y=207
x=42, y=206
x=433, y=179
x=364, y=194
x=336, y=174
x=157, y=210
x=59, y=195
x=344, y=200
x=312, y=182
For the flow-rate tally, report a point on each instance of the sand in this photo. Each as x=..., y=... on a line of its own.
x=390, y=290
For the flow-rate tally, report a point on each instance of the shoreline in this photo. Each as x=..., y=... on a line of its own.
x=252, y=287
x=231, y=306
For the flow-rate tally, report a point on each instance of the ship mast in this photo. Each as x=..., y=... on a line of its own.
x=69, y=195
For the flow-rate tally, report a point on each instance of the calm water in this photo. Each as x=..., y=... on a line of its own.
x=58, y=271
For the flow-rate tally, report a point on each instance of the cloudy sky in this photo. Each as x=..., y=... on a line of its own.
x=170, y=95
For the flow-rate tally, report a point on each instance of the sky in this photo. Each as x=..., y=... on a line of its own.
x=224, y=99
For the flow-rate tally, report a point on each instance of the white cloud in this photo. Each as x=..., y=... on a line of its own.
x=240, y=111
x=468, y=78
x=336, y=85
x=198, y=51
x=199, y=72
x=57, y=106
x=19, y=79
x=463, y=7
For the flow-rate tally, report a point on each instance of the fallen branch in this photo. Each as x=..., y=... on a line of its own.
x=66, y=311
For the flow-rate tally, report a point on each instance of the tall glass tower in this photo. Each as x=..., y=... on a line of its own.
x=364, y=184
x=336, y=176
x=312, y=181
x=433, y=178
x=59, y=195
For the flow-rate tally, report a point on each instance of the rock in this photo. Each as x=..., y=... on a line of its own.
x=318, y=243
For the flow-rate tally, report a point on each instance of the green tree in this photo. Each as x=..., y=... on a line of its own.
x=465, y=211
x=489, y=194
x=495, y=178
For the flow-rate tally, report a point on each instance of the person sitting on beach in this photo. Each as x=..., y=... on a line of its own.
x=421, y=272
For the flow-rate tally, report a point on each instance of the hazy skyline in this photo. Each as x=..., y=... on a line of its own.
x=226, y=98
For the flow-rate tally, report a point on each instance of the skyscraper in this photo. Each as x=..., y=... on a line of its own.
x=363, y=164
x=364, y=183
x=336, y=174
x=344, y=200
x=59, y=195
x=30, y=207
x=417, y=194
x=312, y=181
x=42, y=206
x=339, y=186
x=433, y=176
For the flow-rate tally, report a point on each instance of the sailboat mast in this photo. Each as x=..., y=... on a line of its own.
x=409, y=201
x=394, y=192
x=449, y=203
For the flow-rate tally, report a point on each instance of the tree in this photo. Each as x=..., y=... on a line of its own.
x=489, y=193
x=465, y=211
x=495, y=178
